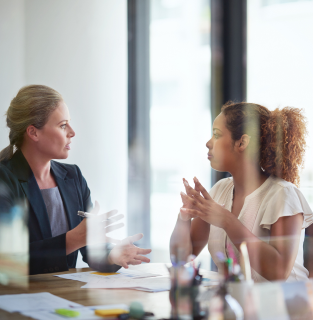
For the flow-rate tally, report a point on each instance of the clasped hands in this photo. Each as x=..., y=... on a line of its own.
x=124, y=252
x=198, y=203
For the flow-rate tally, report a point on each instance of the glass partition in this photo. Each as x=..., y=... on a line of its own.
x=180, y=109
x=280, y=64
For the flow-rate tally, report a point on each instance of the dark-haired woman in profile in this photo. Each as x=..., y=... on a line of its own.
x=40, y=131
x=263, y=151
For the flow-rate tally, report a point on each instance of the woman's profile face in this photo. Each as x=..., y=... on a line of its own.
x=221, y=146
x=55, y=137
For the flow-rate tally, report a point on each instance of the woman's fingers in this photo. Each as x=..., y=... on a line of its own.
x=136, y=237
x=202, y=189
x=189, y=190
x=108, y=215
x=142, y=258
x=134, y=262
x=96, y=208
x=108, y=222
x=191, y=212
x=143, y=251
x=193, y=202
x=114, y=227
x=113, y=240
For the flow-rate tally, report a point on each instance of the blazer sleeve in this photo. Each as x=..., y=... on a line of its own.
x=101, y=265
x=48, y=255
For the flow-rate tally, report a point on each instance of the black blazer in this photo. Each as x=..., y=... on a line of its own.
x=47, y=253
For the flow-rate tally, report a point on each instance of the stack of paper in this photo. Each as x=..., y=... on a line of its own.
x=155, y=284
x=136, y=278
x=34, y=301
x=121, y=274
x=42, y=306
x=124, y=278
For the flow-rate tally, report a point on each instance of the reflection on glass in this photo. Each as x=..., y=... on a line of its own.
x=13, y=243
x=280, y=64
x=180, y=109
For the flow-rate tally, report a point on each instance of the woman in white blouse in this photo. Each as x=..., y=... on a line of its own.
x=260, y=203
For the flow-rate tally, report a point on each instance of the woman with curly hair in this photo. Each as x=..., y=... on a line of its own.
x=260, y=203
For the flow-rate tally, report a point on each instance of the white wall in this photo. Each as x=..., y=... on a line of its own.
x=79, y=48
x=12, y=51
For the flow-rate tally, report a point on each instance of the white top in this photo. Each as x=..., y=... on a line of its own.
x=275, y=198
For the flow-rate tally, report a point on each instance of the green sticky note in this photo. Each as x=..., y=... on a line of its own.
x=67, y=313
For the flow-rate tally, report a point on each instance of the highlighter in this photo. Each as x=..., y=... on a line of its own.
x=110, y=312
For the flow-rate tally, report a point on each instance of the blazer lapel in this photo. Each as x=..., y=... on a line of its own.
x=68, y=193
x=35, y=200
x=20, y=167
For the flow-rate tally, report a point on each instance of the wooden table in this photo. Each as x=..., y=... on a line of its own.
x=158, y=302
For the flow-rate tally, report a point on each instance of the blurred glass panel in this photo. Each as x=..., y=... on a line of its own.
x=180, y=110
x=271, y=2
x=280, y=64
x=13, y=242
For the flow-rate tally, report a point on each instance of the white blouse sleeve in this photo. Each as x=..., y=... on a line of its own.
x=283, y=202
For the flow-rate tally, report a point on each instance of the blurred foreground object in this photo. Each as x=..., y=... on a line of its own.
x=13, y=243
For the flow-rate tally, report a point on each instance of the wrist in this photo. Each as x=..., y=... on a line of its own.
x=110, y=258
x=74, y=241
x=181, y=218
x=229, y=220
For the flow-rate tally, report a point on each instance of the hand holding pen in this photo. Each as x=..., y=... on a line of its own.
x=105, y=219
x=77, y=237
x=99, y=225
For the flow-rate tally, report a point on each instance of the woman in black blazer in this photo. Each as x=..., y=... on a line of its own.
x=40, y=131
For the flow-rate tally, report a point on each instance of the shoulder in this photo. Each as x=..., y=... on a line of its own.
x=283, y=198
x=10, y=188
x=277, y=186
x=280, y=191
x=5, y=173
x=279, y=183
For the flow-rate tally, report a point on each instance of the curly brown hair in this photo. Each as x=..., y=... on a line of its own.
x=279, y=135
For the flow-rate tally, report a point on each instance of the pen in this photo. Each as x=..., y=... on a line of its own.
x=88, y=215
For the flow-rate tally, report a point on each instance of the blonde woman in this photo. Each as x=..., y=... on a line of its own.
x=40, y=130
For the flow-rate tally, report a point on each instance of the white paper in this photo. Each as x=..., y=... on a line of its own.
x=33, y=302
x=121, y=274
x=146, y=284
x=86, y=313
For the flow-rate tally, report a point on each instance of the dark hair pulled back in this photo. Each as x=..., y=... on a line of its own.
x=278, y=137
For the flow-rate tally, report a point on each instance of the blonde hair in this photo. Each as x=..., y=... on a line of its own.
x=32, y=105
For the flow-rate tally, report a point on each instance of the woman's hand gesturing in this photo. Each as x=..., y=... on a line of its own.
x=93, y=230
x=198, y=203
x=126, y=253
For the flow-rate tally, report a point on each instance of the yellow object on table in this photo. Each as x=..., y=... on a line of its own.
x=105, y=274
x=110, y=312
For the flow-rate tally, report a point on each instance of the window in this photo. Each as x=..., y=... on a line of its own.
x=180, y=120
x=280, y=64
